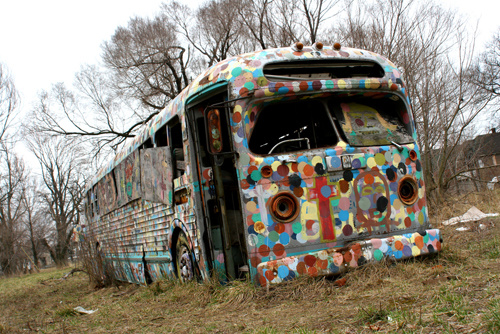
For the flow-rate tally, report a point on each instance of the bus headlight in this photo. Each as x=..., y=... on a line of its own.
x=284, y=207
x=408, y=190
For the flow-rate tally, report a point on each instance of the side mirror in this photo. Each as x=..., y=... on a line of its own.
x=214, y=131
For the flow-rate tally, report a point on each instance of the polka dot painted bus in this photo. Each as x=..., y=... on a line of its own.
x=275, y=164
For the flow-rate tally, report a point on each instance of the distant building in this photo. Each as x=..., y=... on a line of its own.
x=483, y=154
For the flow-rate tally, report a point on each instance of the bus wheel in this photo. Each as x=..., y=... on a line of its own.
x=184, y=263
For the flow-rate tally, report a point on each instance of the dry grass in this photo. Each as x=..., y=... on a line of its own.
x=456, y=291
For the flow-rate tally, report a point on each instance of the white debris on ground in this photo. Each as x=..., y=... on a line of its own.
x=474, y=214
x=81, y=310
x=491, y=184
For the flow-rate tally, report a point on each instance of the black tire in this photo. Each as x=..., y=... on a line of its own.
x=184, y=264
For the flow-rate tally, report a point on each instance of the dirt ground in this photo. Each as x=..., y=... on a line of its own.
x=456, y=291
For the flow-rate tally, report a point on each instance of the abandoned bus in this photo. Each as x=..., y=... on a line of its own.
x=274, y=164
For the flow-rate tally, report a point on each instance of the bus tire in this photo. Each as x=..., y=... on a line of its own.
x=184, y=263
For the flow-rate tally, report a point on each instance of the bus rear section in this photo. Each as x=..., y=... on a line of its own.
x=330, y=180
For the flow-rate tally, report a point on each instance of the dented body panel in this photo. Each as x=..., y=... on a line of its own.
x=316, y=172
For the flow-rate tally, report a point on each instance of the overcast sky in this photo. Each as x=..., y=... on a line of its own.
x=46, y=41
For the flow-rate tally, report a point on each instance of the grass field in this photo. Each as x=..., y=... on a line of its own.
x=457, y=291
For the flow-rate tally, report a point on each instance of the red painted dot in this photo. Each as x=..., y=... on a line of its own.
x=279, y=249
x=310, y=260
x=264, y=250
x=237, y=117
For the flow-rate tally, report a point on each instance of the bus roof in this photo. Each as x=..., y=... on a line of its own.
x=245, y=74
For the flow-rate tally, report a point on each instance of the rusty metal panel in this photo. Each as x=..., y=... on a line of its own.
x=156, y=175
x=128, y=178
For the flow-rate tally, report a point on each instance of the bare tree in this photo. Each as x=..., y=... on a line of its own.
x=431, y=46
x=11, y=210
x=148, y=62
x=35, y=222
x=61, y=166
x=211, y=29
x=91, y=112
x=9, y=101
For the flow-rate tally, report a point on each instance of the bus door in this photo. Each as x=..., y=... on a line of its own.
x=224, y=236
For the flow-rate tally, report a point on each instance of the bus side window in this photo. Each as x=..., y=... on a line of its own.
x=171, y=135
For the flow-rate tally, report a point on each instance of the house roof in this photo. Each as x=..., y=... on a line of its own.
x=486, y=145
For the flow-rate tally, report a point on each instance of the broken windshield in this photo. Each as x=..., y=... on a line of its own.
x=310, y=123
x=372, y=122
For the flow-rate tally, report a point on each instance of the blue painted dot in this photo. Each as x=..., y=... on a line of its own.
x=283, y=90
x=398, y=254
x=302, y=159
x=326, y=191
x=269, y=160
x=393, y=198
x=283, y=271
x=338, y=222
x=335, y=162
x=331, y=152
x=284, y=238
x=356, y=164
x=344, y=215
x=333, y=268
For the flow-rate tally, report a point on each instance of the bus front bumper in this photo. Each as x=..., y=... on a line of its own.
x=334, y=261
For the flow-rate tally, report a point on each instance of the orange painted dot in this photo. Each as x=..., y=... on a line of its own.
x=347, y=257
x=419, y=242
x=356, y=248
x=308, y=170
x=312, y=271
x=301, y=268
x=407, y=222
x=298, y=191
x=369, y=179
x=269, y=275
x=244, y=184
x=322, y=264
x=280, y=228
x=262, y=281
x=237, y=117
x=252, y=169
x=438, y=245
x=344, y=186
x=399, y=245
x=295, y=167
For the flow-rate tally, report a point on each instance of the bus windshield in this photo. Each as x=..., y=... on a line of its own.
x=316, y=123
x=373, y=122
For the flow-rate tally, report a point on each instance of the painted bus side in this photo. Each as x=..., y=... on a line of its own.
x=310, y=166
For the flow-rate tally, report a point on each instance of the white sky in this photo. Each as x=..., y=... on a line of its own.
x=46, y=41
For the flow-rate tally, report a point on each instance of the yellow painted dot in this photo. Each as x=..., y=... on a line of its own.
x=371, y=162
x=259, y=227
x=301, y=166
x=252, y=206
x=238, y=108
x=375, y=84
x=342, y=144
x=411, y=146
x=397, y=159
x=397, y=204
x=380, y=159
x=275, y=165
x=415, y=251
x=268, y=92
x=342, y=84
x=273, y=189
x=317, y=160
